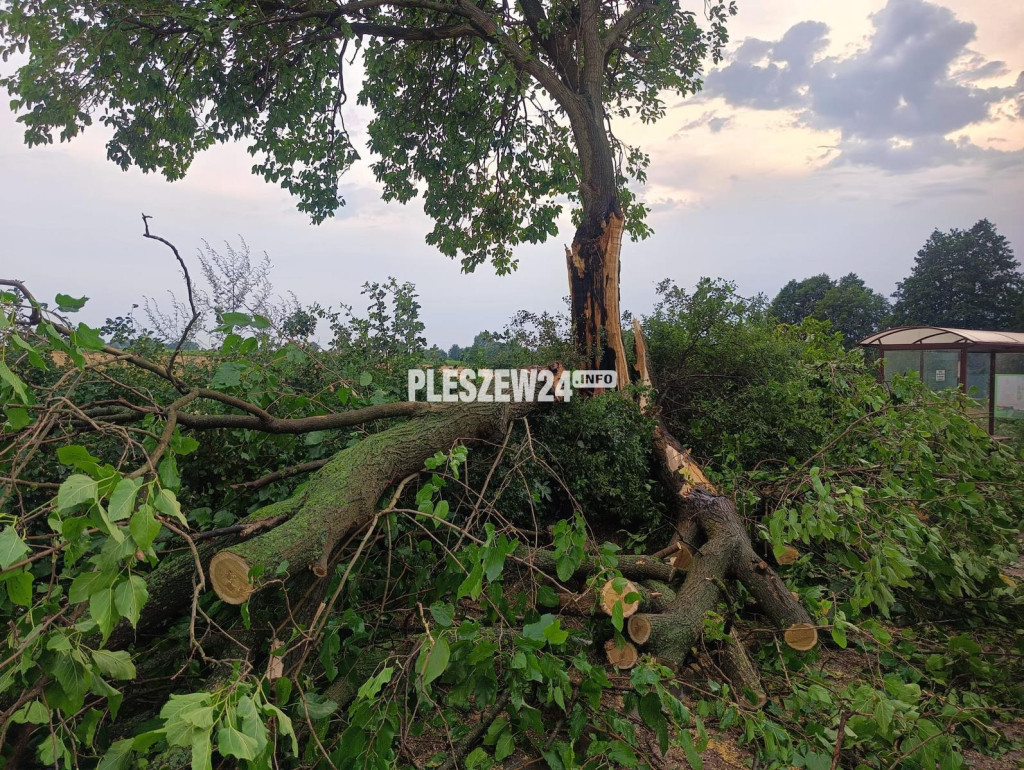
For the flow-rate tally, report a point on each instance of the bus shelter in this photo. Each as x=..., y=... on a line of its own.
x=988, y=366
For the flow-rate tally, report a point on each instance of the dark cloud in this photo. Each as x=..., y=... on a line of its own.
x=894, y=101
x=709, y=119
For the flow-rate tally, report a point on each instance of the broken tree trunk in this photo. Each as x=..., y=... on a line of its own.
x=593, y=263
x=718, y=548
x=342, y=496
x=742, y=673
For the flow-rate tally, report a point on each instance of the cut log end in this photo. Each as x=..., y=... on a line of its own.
x=801, y=636
x=625, y=656
x=683, y=558
x=229, y=574
x=789, y=555
x=639, y=628
x=609, y=598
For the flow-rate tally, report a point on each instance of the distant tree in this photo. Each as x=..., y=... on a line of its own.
x=848, y=304
x=121, y=331
x=853, y=309
x=299, y=323
x=455, y=353
x=797, y=299
x=964, y=278
x=392, y=328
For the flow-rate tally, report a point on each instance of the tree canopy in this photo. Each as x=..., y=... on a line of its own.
x=848, y=304
x=966, y=279
x=494, y=114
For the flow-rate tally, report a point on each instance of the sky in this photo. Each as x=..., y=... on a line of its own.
x=835, y=137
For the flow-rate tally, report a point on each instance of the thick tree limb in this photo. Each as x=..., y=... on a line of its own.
x=342, y=496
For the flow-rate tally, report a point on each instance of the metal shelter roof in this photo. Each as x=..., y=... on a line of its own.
x=926, y=336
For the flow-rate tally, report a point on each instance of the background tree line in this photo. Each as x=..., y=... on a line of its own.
x=966, y=279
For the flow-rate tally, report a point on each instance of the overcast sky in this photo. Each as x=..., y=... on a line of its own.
x=834, y=139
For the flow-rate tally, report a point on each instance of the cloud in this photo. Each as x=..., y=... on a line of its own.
x=714, y=123
x=895, y=102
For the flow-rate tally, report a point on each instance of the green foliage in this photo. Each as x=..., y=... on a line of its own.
x=732, y=384
x=601, y=448
x=881, y=487
x=476, y=121
x=968, y=279
x=853, y=310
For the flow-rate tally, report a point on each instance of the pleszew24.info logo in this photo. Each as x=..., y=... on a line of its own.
x=504, y=385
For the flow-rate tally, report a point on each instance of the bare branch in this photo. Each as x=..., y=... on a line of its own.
x=284, y=473
x=188, y=285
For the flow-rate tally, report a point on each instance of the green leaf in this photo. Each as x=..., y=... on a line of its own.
x=183, y=445
x=86, y=584
x=329, y=649
x=122, y=499
x=617, y=618
x=373, y=685
x=16, y=383
x=473, y=584
x=88, y=338
x=232, y=742
x=71, y=675
x=554, y=633
x=282, y=690
x=318, y=707
x=536, y=630
x=33, y=355
x=144, y=527
x=76, y=490
x=235, y=319
x=839, y=634
x=284, y=724
x=12, y=547
x=202, y=751
x=19, y=587
x=494, y=562
x=129, y=598
x=505, y=747
x=621, y=753
x=688, y=749
x=547, y=596
x=168, y=505
x=115, y=663
x=168, y=473
x=434, y=660
x=78, y=457
x=34, y=712
x=443, y=613
x=18, y=418
x=68, y=304
x=101, y=609
x=118, y=756
x=650, y=711
x=228, y=375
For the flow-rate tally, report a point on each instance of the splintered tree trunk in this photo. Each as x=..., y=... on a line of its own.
x=342, y=496
x=593, y=263
x=593, y=259
x=712, y=546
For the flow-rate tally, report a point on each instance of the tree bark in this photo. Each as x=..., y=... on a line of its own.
x=342, y=496
x=593, y=259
